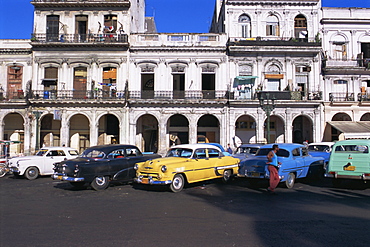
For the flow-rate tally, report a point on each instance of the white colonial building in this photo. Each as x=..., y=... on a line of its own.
x=97, y=72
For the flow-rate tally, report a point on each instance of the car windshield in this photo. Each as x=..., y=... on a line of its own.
x=246, y=150
x=93, y=153
x=41, y=152
x=73, y=152
x=318, y=148
x=265, y=151
x=179, y=152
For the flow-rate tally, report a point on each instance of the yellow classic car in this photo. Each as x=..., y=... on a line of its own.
x=187, y=163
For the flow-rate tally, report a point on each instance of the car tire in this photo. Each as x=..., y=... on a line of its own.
x=290, y=180
x=31, y=173
x=100, y=183
x=226, y=176
x=3, y=171
x=178, y=183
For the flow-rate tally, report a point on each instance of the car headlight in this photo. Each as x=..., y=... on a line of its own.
x=164, y=168
x=136, y=166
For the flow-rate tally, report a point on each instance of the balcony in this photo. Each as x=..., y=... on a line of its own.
x=112, y=95
x=347, y=96
x=178, y=39
x=65, y=39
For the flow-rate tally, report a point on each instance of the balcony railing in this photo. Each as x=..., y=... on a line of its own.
x=341, y=97
x=79, y=38
x=273, y=40
x=173, y=95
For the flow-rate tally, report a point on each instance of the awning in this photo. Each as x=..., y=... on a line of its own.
x=9, y=142
x=244, y=80
x=353, y=130
x=48, y=82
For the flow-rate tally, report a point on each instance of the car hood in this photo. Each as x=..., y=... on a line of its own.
x=156, y=164
x=31, y=157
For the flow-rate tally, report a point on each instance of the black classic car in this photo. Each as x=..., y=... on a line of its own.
x=99, y=165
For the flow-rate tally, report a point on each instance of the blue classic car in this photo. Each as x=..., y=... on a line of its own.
x=295, y=163
x=321, y=149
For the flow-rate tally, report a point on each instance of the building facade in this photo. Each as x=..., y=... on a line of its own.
x=96, y=72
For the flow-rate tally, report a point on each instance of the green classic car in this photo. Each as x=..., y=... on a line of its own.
x=187, y=163
x=350, y=159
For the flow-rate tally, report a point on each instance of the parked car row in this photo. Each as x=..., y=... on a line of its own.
x=188, y=163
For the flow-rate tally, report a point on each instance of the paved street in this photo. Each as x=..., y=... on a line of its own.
x=44, y=212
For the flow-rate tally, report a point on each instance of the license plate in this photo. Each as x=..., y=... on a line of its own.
x=60, y=177
x=144, y=181
x=350, y=168
x=255, y=174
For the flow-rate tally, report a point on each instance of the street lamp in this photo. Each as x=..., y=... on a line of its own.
x=267, y=105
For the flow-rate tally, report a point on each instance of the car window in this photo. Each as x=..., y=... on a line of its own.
x=296, y=152
x=213, y=153
x=132, y=152
x=116, y=154
x=61, y=153
x=179, y=152
x=304, y=151
x=53, y=153
x=352, y=149
x=318, y=148
x=93, y=153
x=41, y=152
x=200, y=153
x=73, y=152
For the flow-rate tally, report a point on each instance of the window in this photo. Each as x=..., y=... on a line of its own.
x=132, y=152
x=52, y=28
x=245, y=24
x=295, y=152
x=213, y=153
x=200, y=153
x=272, y=26
x=117, y=154
x=340, y=82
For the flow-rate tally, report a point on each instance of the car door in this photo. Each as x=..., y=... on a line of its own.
x=52, y=157
x=298, y=164
x=201, y=166
x=215, y=160
x=118, y=164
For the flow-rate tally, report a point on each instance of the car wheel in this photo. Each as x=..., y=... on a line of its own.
x=226, y=176
x=100, y=183
x=3, y=171
x=31, y=173
x=289, y=183
x=177, y=183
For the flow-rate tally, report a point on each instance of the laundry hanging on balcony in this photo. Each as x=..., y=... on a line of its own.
x=244, y=80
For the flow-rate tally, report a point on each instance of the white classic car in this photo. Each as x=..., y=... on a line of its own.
x=42, y=163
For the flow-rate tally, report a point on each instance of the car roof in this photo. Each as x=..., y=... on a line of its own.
x=195, y=146
x=354, y=142
x=322, y=143
x=57, y=148
x=287, y=146
x=109, y=147
x=255, y=145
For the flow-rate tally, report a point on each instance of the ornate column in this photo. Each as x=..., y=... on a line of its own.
x=163, y=138
x=64, y=130
x=260, y=126
x=193, y=132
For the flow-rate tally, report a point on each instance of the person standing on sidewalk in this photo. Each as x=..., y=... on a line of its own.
x=273, y=167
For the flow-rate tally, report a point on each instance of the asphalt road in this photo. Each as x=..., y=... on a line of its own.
x=44, y=212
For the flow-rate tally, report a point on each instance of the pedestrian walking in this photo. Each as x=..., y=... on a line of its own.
x=229, y=150
x=273, y=167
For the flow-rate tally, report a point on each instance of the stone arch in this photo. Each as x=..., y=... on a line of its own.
x=108, y=129
x=365, y=117
x=245, y=128
x=79, y=131
x=178, y=129
x=302, y=129
x=49, y=131
x=147, y=133
x=277, y=129
x=14, y=131
x=208, y=128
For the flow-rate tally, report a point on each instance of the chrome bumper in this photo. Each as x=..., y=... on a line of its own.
x=63, y=177
x=357, y=177
x=149, y=180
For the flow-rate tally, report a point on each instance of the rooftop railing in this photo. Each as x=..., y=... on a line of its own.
x=79, y=38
